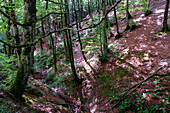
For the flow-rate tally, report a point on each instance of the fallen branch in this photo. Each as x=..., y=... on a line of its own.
x=132, y=89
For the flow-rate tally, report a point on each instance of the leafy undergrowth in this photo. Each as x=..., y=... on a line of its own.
x=118, y=85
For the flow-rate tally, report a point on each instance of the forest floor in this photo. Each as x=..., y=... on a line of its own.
x=141, y=52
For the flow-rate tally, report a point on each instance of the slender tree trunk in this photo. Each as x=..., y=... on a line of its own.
x=81, y=10
x=117, y=26
x=7, y=35
x=43, y=33
x=18, y=86
x=89, y=9
x=105, y=43
x=81, y=47
x=110, y=34
x=165, y=23
x=127, y=16
x=64, y=36
x=15, y=28
x=101, y=48
x=69, y=46
x=53, y=48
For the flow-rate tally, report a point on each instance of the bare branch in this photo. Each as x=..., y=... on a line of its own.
x=33, y=43
x=95, y=25
x=55, y=2
x=22, y=25
x=47, y=16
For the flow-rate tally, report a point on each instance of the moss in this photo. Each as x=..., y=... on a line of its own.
x=121, y=71
x=16, y=87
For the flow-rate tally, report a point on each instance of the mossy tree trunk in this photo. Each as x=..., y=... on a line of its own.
x=165, y=24
x=18, y=86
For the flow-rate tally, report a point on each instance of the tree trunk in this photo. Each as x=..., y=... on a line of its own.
x=81, y=47
x=54, y=49
x=117, y=27
x=64, y=37
x=7, y=35
x=127, y=16
x=15, y=29
x=105, y=44
x=69, y=46
x=18, y=86
x=101, y=48
x=165, y=23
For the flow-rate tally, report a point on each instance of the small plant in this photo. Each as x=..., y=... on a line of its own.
x=5, y=109
x=8, y=69
x=118, y=35
x=160, y=33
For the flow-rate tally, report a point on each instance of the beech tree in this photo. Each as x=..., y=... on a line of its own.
x=20, y=82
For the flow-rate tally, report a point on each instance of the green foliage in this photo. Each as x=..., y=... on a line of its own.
x=42, y=59
x=160, y=33
x=33, y=90
x=121, y=71
x=5, y=109
x=8, y=69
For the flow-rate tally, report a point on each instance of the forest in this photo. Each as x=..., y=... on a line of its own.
x=84, y=56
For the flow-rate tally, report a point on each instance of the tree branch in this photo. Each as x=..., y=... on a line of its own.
x=22, y=25
x=30, y=44
x=95, y=25
x=55, y=2
x=47, y=16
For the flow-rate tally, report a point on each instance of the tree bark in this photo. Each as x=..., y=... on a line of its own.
x=165, y=23
x=7, y=35
x=127, y=16
x=69, y=46
x=81, y=47
x=117, y=26
x=64, y=36
x=15, y=28
x=18, y=86
x=105, y=43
